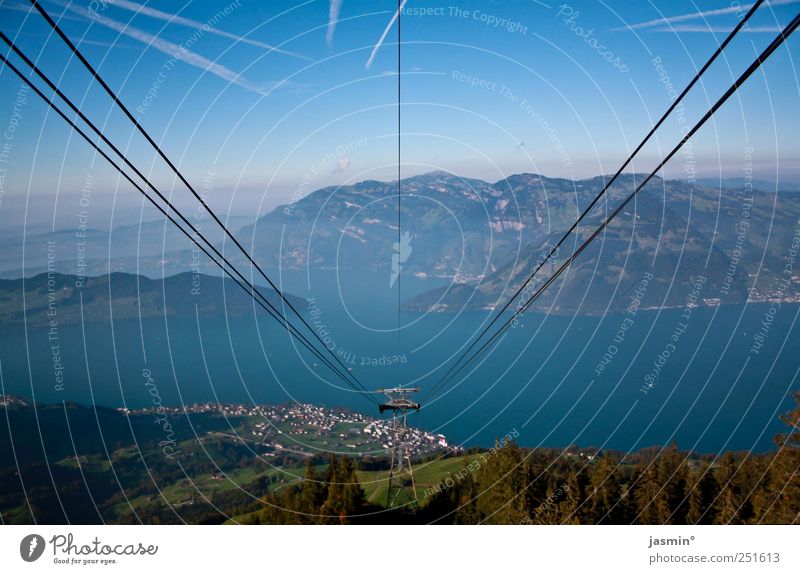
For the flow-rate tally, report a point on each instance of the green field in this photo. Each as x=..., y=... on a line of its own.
x=426, y=475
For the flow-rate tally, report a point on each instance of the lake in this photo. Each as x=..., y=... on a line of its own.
x=557, y=380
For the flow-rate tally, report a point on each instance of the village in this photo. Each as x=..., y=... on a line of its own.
x=307, y=429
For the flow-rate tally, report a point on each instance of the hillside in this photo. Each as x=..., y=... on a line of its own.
x=230, y=453
x=673, y=235
x=149, y=248
x=457, y=225
x=123, y=296
x=484, y=238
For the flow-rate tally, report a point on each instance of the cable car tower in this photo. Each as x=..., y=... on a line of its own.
x=402, y=489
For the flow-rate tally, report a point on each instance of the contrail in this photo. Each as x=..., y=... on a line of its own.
x=717, y=29
x=180, y=53
x=385, y=32
x=180, y=20
x=333, y=18
x=696, y=15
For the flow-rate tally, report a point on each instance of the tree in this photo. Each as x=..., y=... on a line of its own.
x=571, y=509
x=465, y=495
x=701, y=490
x=726, y=507
x=604, y=492
x=782, y=504
x=501, y=483
x=262, y=485
x=312, y=495
x=672, y=471
x=352, y=493
x=651, y=502
x=345, y=496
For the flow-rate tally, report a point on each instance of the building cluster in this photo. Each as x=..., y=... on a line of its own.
x=774, y=296
x=13, y=401
x=420, y=442
x=298, y=426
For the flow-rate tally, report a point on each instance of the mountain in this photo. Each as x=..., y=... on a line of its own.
x=458, y=226
x=742, y=182
x=485, y=238
x=732, y=244
x=38, y=300
x=151, y=247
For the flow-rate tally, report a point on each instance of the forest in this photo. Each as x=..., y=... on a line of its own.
x=547, y=486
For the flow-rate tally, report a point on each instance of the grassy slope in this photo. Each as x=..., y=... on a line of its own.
x=426, y=475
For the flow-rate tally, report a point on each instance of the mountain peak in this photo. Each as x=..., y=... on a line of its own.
x=623, y=177
x=437, y=173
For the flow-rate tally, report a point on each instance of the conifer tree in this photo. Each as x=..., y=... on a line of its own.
x=604, y=492
x=701, y=490
x=672, y=472
x=727, y=505
x=783, y=497
x=352, y=493
x=571, y=509
x=466, y=496
x=651, y=504
x=311, y=497
x=332, y=509
x=501, y=486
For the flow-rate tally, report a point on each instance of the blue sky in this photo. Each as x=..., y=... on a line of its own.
x=275, y=99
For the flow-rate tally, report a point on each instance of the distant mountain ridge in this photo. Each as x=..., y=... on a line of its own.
x=741, y=182
x=57, y=297
x=487, y=237
x=157, y=247
x=459, y=226
x=484, y=238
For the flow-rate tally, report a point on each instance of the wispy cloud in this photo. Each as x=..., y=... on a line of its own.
x=29, y=9
x=717, y=29
x=685, y=17
x=699, y=15
x=176, y=51
x=385, y=32
x=333, y=18
x=114, y=45
x=181, y=21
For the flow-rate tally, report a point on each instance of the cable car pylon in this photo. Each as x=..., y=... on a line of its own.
x=402, y=491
